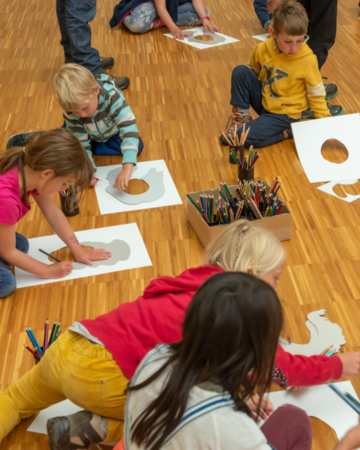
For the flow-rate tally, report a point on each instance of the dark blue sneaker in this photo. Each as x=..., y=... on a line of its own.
x=20, y=140
x=331, y=91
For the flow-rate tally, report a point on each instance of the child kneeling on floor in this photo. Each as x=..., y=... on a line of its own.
x=281, y=74
x=140, y=17
x=96, y=111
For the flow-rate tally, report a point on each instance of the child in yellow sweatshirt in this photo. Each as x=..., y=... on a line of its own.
x=281, y=74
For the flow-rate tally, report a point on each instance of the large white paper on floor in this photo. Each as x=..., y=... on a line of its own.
x=329, y=189
x=261, y=37
x=323, y=334
x=129, y=233
x=109, y=204
x=191, y=40
x=64, y=408
x=309, y=137
x=323, y=403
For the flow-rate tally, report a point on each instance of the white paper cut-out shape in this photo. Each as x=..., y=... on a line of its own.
x=323, y=334
x=222, y=40
x=98, y=237
x=153, y=178
x=261, y=37
x=309, y=137
x=109, y=204
x=329, y=189
x=323, y=403
x=120, y=251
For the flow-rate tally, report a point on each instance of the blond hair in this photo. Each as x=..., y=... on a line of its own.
x=242, y=245
x=58, y=150
x=290, y=18
x=74, y=86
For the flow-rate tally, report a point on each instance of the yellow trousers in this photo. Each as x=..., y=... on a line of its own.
x=72, y=368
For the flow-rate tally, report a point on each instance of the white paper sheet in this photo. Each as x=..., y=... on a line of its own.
x=329, y=189
x=261, y=37
x=200, y=45
x=64, y=408
x=323, y=403
x=129, y=233
x=309, y=137
x=109, y=205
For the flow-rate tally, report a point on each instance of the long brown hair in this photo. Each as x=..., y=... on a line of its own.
x=230, y=335
x=58, y=150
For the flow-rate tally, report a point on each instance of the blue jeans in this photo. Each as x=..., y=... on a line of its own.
x=7, y=278
x=143, y=16
x=268, y=128
x=73, y=17
x=112, y=146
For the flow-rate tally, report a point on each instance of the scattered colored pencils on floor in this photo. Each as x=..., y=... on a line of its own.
x=38, y=352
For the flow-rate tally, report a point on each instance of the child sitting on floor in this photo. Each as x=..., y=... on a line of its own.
x=140, y=17
x=281, y=74
x=98, y=114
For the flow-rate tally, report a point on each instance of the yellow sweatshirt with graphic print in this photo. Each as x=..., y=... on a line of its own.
x=288, y=80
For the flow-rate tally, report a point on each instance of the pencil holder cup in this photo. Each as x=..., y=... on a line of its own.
x=235, y=149
x=65, y=205
x=212, y=224
x=246, y=174
x=247, y=214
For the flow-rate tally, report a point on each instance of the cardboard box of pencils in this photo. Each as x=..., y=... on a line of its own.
x=279, y=225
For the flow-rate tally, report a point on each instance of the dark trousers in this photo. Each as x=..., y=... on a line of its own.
x=112, y=146
x=74, y=17
x=288, y=428
x=322, y=26
x=268, y=129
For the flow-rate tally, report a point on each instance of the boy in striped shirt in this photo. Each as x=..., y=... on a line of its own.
x=96, y=111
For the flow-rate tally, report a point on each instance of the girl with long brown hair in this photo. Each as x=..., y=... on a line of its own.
x=49, y=163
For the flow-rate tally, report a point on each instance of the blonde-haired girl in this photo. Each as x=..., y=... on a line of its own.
x=92, y=363
x=47, y=164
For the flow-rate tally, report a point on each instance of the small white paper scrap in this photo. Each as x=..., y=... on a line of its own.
x=261, y=37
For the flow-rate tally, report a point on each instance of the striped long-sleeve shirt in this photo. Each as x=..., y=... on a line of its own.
x=112, y=115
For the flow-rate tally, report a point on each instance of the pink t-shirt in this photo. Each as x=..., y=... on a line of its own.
x=12, y=207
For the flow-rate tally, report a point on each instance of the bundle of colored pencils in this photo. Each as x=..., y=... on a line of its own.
x=69, y=191
x=248, y=162
x=38, y=351
x=262, y=203
x=233, y=139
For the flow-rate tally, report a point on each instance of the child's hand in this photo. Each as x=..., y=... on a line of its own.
x=94, y=181
x=266, y=407
x=351, y=364
x=208, y=26
x=59, y=270
x=122, y=180
x=85, y=255
x=179, y=34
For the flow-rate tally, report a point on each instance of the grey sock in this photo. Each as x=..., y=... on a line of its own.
x=242, y=111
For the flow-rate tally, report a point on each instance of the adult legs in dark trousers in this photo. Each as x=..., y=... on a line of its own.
x=74, y=17
x=322, y=26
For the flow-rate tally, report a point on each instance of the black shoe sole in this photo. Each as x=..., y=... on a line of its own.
x=122, y=88
x=313, y=117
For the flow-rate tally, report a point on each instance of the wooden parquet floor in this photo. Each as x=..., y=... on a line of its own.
x=180, y=96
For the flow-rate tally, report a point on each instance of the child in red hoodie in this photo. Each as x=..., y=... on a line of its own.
x=93, y=361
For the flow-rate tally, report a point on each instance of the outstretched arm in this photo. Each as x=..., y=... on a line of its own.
x=62, y=228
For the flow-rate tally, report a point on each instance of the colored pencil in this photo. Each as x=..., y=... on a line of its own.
x=46, y=334
x=52, y=333
x=50, y=256
x=35, y=354
x=344, y=397
x=56, y=331
x=36, y=344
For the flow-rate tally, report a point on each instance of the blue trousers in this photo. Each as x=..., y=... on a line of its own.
x=267, y=129
x=7, y=278
x=143, y=16
x=74, y=17
x=112, y=146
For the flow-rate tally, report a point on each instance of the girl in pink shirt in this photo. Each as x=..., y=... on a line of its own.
x=49, y=163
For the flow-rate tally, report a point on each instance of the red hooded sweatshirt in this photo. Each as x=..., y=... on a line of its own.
x=130, y=331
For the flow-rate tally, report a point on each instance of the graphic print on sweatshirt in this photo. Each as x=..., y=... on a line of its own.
x=271, y=79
